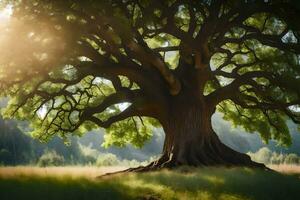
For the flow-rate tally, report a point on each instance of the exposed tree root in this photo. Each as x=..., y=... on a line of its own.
x=164, y=163
x=195, y=145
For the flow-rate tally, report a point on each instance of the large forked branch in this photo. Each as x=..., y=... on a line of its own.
x=140, y=52
x=104, y=67
x=140, y=106
x=231, y=90
x=131, y=111
x=250, y=102
x=158, y=62
x=260, y=100
x=125, y=95
x=236, y=18
x=269, y=40
x=237, y=15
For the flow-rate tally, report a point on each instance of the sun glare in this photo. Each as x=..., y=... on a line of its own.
x=5, y=13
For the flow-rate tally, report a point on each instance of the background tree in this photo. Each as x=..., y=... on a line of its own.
x=71, y=66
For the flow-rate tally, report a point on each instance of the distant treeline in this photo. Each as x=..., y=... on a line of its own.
x=266, y=156
x=17, y=148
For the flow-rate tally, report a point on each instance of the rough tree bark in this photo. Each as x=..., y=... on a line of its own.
x=190, y=139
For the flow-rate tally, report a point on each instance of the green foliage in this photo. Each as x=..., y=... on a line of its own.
x=17, y=148
x=270, y=126
x=107, y=159
x=250, y=108
x=266, y=156
x=55, y=96
x=89, y=154
x=263, y=155
x=292, y=159
x=62, y=62
x=133, y=130
x=50, y=158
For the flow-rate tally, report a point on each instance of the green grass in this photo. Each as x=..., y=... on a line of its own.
x=203, y=184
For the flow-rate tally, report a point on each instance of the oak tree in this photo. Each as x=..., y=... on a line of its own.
x=130, y=65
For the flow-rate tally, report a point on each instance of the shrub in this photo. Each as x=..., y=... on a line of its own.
x=291, y=159
x=107, y=159
x=277, y=159
x=263, y=155
x=130, y=163
x=89, y=154
x=51, y=158
x=266, y=156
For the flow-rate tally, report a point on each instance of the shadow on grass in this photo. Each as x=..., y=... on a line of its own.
x=227, y=183
x=46, y=188
x=203, y=184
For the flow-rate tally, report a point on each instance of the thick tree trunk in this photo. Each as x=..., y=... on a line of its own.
x=190, y=139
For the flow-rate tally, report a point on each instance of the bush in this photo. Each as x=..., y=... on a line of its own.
x=291, y=159
x=266, y=156
x=277, y=159
x=88, y=154
x=130, y=163
x=263, y=155
x=107, y=159
x=51, y=158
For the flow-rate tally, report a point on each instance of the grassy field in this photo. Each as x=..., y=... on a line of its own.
x=185, y=183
